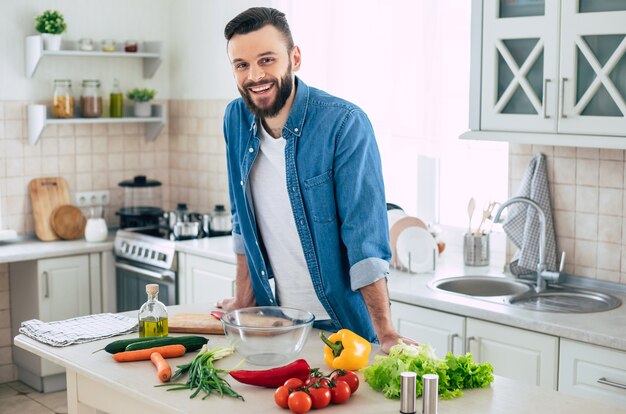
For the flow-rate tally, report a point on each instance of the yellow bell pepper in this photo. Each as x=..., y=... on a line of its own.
x=346, y=350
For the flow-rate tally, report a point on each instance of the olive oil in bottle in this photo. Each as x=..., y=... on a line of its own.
x=153, y=314
x=116, y=109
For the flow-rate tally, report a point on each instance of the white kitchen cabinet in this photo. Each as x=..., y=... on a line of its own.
x=515, y=353
x=443, y=331
x=593, y=372
x=50, y=290
x=549, y=72
x=204, y=280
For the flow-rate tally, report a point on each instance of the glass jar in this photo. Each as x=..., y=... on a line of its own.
x=63, y=99
x=153, y=314
x=85, y=44
x=108, y=45
x=90, y=99
x=131, y=46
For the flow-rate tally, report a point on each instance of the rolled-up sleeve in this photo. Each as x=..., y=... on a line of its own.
x=368, y=271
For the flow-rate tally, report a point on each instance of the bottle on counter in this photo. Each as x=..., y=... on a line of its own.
x=153, y=314
x=90, y=99
x=63, y=99
x=117, y=101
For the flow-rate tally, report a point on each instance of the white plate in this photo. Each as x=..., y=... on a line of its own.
x=420, y=245
x=394, y=215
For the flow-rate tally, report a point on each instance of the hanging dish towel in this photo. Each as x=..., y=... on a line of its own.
x=78, y=330
x=522, y=223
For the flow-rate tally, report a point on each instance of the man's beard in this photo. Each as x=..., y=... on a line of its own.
x=284, y=91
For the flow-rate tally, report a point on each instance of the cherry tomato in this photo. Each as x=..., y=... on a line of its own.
x=299, y=402
x=350, y=377
x=340, y=393
x=323, y=382
x=281, y=395
x=293, y=384
x=320, y=396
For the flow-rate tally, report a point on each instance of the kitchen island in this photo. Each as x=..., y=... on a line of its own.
x=96, y=382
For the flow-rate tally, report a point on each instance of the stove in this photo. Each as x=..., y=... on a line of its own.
x=144, y=255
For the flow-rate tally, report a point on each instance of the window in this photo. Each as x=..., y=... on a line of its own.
x=406, y=63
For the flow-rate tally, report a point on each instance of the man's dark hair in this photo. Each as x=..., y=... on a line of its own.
x=257, y=17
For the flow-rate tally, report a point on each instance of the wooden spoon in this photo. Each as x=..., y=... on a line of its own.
x=470, y=212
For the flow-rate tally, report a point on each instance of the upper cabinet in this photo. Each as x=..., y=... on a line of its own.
x=549, y=72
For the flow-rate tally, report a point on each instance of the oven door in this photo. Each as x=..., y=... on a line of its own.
x=132, y=278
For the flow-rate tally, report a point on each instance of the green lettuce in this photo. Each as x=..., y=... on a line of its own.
x=455, y=373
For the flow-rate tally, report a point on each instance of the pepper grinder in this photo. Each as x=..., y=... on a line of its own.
x=430, y=393
x=407, y=392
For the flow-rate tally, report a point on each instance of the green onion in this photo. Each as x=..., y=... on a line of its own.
x=203, y=376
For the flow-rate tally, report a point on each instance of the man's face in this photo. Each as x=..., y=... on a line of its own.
x=263, y=69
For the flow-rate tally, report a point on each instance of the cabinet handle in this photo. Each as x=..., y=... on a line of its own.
x=611, y=383
x=562, y=111
x=545, y=98
x=451, y=338
x=468, y=342
x=47, y=284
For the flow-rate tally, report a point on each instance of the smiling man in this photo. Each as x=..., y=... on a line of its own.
x=306, y=189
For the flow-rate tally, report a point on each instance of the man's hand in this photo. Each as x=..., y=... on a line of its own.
x=228, y=304
x=377, y=300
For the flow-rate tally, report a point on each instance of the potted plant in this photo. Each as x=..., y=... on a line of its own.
x=142, y=98
x=51, y=25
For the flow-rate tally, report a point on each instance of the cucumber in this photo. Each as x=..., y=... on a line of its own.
x=190, y=342
x=121, y=344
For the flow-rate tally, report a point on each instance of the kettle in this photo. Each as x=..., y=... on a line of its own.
x=221, y=222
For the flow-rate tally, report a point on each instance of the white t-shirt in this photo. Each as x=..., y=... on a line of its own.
x=277, y=227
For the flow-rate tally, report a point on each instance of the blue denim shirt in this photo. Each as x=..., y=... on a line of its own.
x=335, y=185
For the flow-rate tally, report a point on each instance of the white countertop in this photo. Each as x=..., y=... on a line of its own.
x=30, y=248
x=124, y=387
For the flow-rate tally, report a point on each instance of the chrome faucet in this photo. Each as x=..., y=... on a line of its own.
x=543, y=275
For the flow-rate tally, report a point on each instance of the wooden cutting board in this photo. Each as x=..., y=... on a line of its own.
x=68, y=222
x=195, y=323
x=46, y=194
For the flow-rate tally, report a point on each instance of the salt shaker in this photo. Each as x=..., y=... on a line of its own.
x=430, y=393
x=407, y=392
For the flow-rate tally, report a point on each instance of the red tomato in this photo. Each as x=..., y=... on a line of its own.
x=299, y=402
x=320, y=396
x=293, y=384
x=340, y=393
x=322, y=381
x=350, y=377
x=281, y=395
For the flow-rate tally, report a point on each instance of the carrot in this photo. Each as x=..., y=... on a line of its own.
x=164, y=372
x=168, y=351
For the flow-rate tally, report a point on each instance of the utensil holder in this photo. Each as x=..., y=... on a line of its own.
x=476, y=249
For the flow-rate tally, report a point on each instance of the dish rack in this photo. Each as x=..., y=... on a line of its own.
x=396, y=265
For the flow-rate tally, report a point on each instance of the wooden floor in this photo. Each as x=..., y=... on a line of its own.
x=18, y=398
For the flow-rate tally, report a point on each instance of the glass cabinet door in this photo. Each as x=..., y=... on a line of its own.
x=593, y=67
x=520, y=65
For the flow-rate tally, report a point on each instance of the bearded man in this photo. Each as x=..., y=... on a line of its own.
x=306, y=189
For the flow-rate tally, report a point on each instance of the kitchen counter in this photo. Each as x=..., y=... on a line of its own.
x=601, y=328
x=95, y=380
x=31, y=248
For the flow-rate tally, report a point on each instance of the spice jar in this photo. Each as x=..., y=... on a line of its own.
x=108, y=45
x=131, y=46
x=90, y=99
x=63, y=99
x=86, y=45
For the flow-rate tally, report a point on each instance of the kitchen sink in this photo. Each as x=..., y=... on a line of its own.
x=521, y=294
x=481, y=286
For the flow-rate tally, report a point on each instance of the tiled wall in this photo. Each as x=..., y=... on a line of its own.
x=188, y=157
x=588, y=202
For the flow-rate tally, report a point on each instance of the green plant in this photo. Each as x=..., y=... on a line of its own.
x=141, y=94
x=51, y=21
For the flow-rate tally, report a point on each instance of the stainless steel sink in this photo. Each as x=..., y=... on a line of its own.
x=566, y=300
x=481, y=286
x=557, y=298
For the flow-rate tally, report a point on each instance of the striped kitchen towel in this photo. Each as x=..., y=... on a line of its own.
x=78, y=330
x=522, y=222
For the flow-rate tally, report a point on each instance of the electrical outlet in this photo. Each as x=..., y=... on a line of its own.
x=92, y=198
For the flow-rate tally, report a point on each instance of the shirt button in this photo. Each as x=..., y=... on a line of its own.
x=293, y=189
x=250, y=149
x=241, y=182
x=262, y=272
x=295, y=129
x=302, y=222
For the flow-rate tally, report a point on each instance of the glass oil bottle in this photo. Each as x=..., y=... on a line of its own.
x=153, y=314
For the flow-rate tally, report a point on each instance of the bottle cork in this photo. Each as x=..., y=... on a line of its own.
x=152, y=289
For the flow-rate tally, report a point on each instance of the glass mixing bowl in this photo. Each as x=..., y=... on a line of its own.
x=268, y=335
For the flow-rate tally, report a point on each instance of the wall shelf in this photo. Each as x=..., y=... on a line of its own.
x=149, y=52
x=39, y=117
